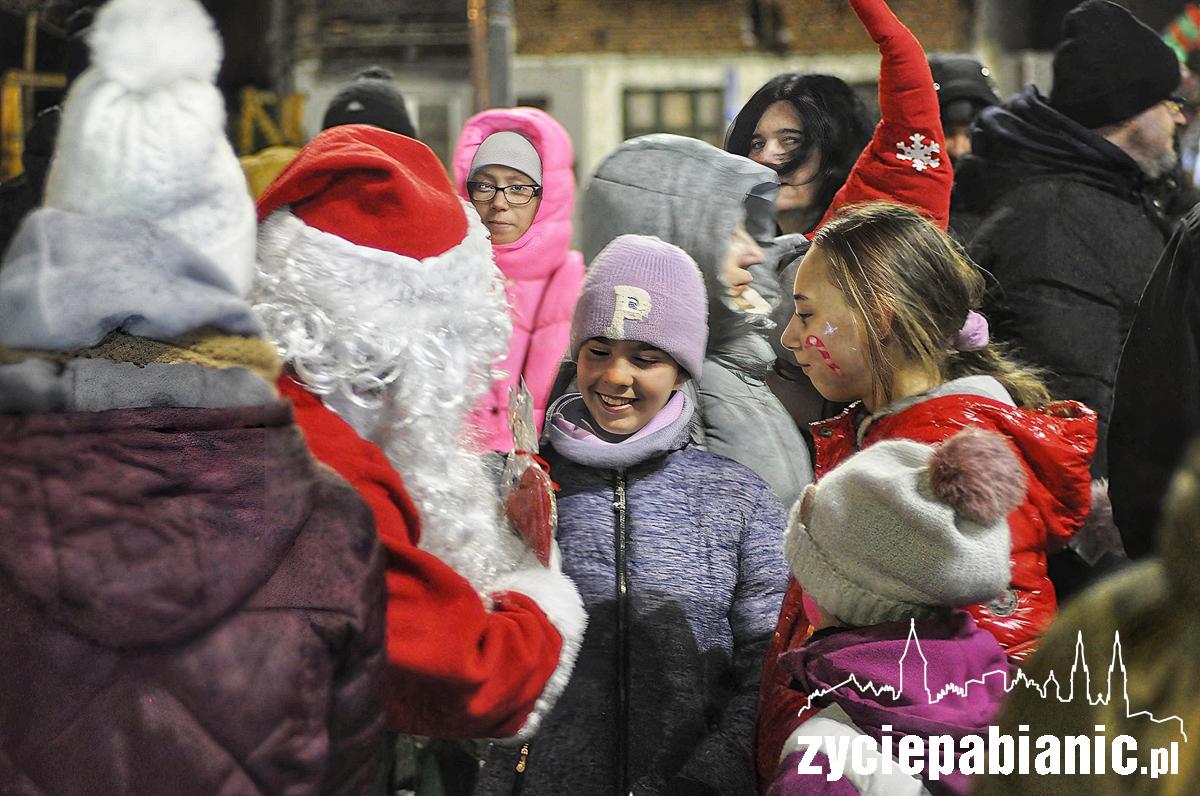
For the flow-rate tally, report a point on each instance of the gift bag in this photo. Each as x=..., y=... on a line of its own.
x=526, y=487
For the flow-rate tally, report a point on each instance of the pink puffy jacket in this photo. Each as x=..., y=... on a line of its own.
x=542, y=274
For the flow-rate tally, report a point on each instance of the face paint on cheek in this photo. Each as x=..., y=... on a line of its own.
x=815, y=343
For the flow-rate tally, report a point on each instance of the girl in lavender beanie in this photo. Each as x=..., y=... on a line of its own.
x=676, y=552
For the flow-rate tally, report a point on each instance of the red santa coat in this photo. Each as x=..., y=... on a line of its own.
x=457, y=667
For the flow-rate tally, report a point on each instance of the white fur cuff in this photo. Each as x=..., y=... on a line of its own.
x=558, y=598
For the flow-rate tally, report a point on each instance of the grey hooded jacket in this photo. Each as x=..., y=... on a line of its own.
x=693, y=195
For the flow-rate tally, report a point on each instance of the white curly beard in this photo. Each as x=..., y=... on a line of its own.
x=402, y=349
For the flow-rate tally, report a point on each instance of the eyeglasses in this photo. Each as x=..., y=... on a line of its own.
x=1176, y=103
x=513, y=194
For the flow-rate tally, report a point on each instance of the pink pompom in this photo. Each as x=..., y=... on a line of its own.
x=973, y=336
x=977, y=474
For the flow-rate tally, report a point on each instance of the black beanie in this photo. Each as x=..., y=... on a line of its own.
x=1110, y=67
x=370, y=98
x=961, y=77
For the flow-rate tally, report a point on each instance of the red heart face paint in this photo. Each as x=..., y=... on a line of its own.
x=826, y=336
x=815, y=343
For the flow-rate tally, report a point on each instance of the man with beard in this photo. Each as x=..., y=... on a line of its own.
x=379, y=289
x=1067, y=226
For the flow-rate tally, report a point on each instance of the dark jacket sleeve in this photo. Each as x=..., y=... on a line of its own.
x=723, y=760
x=1156, y=405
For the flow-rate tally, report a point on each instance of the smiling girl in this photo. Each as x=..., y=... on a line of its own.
x=885, y=317
x=677, y=552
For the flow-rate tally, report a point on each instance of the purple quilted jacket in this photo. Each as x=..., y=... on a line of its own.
x=189, y=604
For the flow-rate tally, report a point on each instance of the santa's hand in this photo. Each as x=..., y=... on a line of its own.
x=556, y=596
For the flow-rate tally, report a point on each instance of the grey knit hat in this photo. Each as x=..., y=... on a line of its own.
x=902, y=529
x=507, y=148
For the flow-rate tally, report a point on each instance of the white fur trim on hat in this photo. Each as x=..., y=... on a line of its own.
x=143, y=134
x=879, y=546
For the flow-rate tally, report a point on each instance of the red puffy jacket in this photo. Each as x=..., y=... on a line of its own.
x=1055, y=444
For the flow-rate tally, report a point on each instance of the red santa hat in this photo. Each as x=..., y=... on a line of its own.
x=373, y=188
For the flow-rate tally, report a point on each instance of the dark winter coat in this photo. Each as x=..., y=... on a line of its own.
x=191, y=605
x=1156, y=408
x=1070, y=234
x=704, y=539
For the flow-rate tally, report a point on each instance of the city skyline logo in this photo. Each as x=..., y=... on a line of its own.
x=1010, y=681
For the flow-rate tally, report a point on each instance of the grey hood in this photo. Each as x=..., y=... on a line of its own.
x=692, y=194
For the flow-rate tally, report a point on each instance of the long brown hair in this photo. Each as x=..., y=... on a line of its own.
x=909, y=282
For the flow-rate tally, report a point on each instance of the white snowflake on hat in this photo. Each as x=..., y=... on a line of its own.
x=921, y=153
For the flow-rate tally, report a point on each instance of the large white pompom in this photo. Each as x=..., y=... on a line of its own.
x=149, y=44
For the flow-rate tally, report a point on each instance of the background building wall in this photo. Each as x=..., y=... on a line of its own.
x=552, y=27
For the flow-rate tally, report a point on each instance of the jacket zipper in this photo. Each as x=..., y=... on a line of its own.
x=623, y=609
x=518, y=784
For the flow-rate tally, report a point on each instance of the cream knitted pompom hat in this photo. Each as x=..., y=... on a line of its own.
x=903, y=529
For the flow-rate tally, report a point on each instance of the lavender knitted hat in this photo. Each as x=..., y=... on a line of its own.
x=640, y=288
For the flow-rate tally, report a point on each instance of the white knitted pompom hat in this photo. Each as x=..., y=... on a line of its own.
x=143, y=133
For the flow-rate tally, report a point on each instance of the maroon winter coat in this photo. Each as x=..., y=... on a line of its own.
x=189, y=604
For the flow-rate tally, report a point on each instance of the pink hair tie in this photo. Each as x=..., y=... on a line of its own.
x=973, y=336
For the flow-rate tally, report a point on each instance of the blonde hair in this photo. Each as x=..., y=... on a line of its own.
x=911, y=284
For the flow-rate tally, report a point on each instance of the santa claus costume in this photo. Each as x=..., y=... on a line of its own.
x=378, y=286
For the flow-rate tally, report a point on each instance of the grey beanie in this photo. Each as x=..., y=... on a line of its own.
x=903, y=529
x=507, y=148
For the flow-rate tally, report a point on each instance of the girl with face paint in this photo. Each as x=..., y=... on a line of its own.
x=885, y=317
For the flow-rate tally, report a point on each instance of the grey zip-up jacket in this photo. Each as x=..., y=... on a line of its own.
x=682, y=648
x=693, y=195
